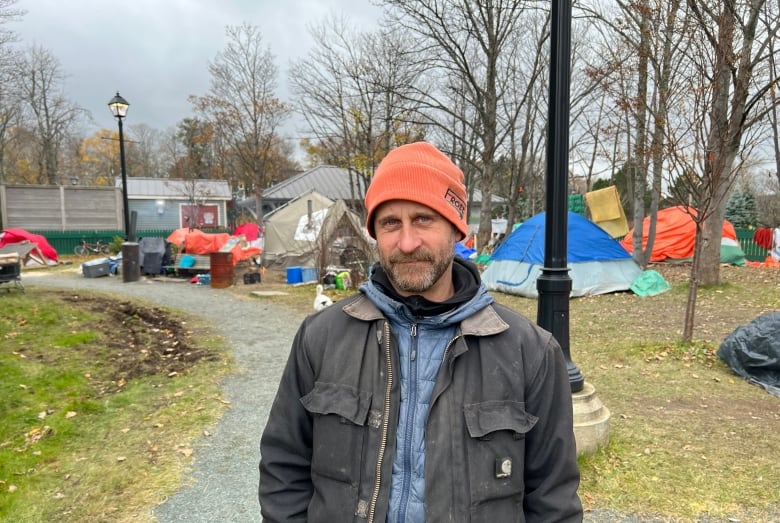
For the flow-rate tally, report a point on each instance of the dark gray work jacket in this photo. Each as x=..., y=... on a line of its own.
x=499, y=439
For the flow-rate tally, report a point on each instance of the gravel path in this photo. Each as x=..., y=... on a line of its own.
x=223, y=484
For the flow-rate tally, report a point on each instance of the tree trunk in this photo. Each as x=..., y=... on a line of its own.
x=639, y=172
x=690, y=305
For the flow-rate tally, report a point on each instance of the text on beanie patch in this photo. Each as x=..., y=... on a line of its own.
x=457, y=203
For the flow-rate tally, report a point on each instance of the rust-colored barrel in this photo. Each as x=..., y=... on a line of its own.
x=222, y=269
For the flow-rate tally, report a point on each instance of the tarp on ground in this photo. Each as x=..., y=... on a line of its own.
x=675, y=236
x=14, y=236
x=195, y=241
x=597, y=263
x=753, y=352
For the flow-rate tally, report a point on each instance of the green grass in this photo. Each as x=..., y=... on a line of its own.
x=689, y=440
x=70, y=450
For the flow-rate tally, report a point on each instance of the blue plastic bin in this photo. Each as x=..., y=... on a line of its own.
x=294, y=275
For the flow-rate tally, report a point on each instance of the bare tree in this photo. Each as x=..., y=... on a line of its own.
x=144, y=151
x=49, y=113
x=738, y=36
x=9, y=99
x=652, y=36
x=472, y=43
x=243, y=109
x=353, y=90
x=10, y=111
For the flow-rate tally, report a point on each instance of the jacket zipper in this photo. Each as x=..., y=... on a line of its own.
x=406, y=451
x=385, y=426
x=448, y=347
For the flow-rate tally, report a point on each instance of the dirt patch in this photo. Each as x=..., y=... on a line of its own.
x=142, y=341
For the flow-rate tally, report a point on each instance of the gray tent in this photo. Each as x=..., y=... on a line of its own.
x=314, y=231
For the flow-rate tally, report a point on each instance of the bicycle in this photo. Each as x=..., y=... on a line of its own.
x=84, y=248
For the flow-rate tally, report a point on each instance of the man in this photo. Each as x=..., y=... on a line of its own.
x=420, y=399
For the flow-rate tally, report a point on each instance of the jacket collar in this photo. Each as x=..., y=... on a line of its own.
x=484, y=322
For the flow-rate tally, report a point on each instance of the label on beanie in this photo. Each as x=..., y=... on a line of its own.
x=454, y=200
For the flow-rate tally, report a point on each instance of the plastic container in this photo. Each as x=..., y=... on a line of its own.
x=308, y=274
x=221, y=269
x=294, y=275
x=96, y=268
x=343, y=281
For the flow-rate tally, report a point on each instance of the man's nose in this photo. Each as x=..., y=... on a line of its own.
x=408, y=240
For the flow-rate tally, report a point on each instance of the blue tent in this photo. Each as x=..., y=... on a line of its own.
x=597, y=263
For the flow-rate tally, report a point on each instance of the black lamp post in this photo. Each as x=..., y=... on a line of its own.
x=118, y=106
x=554, y=284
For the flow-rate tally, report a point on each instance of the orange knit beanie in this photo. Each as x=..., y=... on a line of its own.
x=420, y=173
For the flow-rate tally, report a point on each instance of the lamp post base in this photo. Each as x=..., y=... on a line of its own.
x=591, y=420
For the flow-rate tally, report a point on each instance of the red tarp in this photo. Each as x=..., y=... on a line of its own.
x=11, y=236
x=251, y=231
x=675, y=234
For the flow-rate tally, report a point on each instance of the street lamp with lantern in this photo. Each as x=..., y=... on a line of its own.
x=118, y=106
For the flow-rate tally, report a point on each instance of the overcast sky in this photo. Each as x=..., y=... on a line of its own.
x=156, y=52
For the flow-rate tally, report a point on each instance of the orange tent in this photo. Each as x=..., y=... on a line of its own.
x=675, y=234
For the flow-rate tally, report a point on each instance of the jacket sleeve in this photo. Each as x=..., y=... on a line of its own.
x=552, y=475
x=285, y=487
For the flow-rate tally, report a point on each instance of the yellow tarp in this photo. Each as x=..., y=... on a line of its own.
x=606, y=210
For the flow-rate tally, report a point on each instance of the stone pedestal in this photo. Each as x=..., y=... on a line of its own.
x=591, y=420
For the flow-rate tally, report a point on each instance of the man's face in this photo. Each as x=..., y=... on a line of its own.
x=416, y=247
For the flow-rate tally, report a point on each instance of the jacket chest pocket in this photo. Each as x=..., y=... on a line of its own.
x=496, y=449
x=339, y=416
